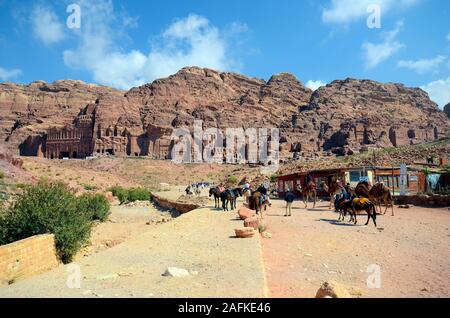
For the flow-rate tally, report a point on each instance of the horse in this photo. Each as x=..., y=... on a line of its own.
x=216, y=193
x=359, y=204
x=258, y=201
x=246, y=193
x=308, y=191
x=380, y=192
x=230, y=196
x=332, y=190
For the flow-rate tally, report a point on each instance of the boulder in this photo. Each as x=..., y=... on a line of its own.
x=245, y=232
x=176, y=272
x=252, y=222
x=245, y=213
x=332, y=289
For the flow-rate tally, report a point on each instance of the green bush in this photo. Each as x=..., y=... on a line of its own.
x=47, y=208
x=232, y=179
x=130, y=195
x=95, y=206
x=138, y=194
x=2, y=175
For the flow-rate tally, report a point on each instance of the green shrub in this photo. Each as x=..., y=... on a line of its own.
x=130, y=195
x=138, y=194
x=232, y=179
x=89, y=187
x=120, y=193
x=47, y=208
x=95, y=206
x=2, y=175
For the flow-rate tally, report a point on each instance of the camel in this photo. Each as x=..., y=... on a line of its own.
x=332, y=190
x=309, y=191
x=380, y=193
x=362, y=190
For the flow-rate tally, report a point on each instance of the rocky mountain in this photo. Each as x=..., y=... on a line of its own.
x=342, y=117
x=447, y=110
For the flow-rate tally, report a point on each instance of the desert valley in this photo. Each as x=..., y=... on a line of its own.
x=154, y=228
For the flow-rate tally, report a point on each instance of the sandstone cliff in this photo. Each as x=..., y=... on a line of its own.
x=342, y=117
x=447, y=110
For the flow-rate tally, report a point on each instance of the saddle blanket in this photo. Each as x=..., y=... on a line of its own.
x=361, y=201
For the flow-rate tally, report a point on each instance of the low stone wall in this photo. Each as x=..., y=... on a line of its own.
x=27, y=257
x=179, y=206
x=433, y=200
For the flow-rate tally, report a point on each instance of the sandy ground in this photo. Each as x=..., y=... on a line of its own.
x=201, y=241
x=411, y=248
x=124, y=223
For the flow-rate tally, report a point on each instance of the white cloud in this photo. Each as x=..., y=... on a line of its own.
x=439, y=91
x=6, y=75
x=192, y=41
x=423, y=65
x=46, y=25
x=314, y=85
x=345, y=11
x=376, y=53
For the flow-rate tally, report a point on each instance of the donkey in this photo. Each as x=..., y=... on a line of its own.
x=360, y=204
x=230, y=196
x=216, y=193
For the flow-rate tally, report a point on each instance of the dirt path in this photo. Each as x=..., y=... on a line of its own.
x=412, y=250
x=199, y=241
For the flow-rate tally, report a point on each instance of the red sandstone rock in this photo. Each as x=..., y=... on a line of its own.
x=245, y=232
x=343, y=117
x=252, y=222
x=245, y=213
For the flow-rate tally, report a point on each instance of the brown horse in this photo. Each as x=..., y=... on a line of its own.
x=308, y=191
x=257, y=204
x=380, y=193
x=360, y=204
x=332, y=190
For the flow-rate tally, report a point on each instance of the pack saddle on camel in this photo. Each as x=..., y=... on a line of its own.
x=333, y=190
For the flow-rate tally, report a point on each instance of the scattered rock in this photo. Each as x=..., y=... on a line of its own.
x=332, y=289
x=108, y=276
x=245, y=232
x=252, y=222
x=176, y=272
x=266, y=235
x=245, y=213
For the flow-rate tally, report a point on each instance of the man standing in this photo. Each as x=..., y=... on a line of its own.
x=289, y=198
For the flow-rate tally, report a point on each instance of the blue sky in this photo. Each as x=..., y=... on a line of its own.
x=128, y=43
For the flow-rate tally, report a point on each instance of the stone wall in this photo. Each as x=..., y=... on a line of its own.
x=434, y=200
x=179, y=206
x=27, y=257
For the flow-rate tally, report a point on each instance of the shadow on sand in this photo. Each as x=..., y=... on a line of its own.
x=341, y=223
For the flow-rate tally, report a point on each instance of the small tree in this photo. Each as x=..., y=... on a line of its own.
x=47, y=208
x=95, y=206
x=232, y=179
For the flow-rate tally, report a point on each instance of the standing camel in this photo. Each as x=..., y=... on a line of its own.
x=332, y=190
x=308, y=191
x=380, y=193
